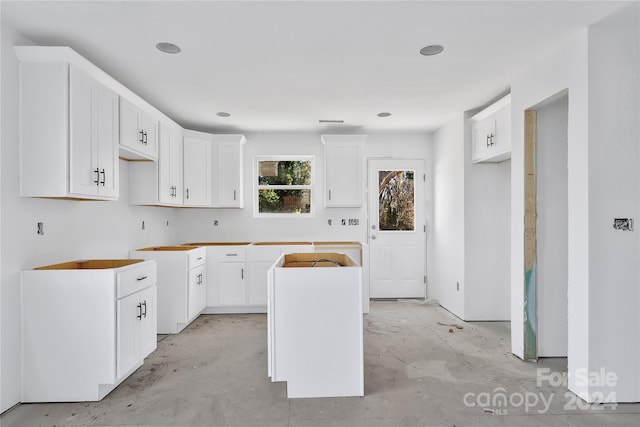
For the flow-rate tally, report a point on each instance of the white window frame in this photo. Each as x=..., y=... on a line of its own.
x=256, y=187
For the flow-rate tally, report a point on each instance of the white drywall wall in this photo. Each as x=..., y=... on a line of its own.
x=446, y=245
x=72, y=230
x=552, y=237
x=241, y=225
x=469, y=242
x=564, y=68
x=614, y=192
x=487, y=202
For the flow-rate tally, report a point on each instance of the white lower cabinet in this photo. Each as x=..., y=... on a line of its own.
x=261, y=257
x=86, y=326
x=237, y=273
x=182, y=284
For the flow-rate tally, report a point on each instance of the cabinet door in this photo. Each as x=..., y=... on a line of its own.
x=227, y=187
x=231, y=283
x=170, y=166
x=130, y=133
x=197, y=171
x=197, y=293
x=149, y=127
x=83, y=154
x=107, y=135
x=138, y=132
x=149, y=323
x=258, y=282
x=129, y=316
x=176, y=165
x=343, y=174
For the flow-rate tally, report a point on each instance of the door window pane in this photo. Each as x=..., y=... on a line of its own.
x=396, y=200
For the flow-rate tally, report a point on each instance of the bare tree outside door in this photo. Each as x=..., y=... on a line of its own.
x=396, y=200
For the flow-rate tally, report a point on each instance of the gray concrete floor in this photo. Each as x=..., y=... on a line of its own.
x=417, y=373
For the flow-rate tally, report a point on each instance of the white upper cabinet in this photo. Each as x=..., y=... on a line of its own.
x=69, y=133
x=491, y=132
x=138, y=133
x=197, y=158
x=227, y=171
x=344, y=168
x=159, y=183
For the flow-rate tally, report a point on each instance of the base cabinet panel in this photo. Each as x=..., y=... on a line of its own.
x=318, y=352
x=181, y=284
x=84, y=330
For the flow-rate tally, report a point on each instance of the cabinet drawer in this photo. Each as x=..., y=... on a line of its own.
x=230, y=254
x=197, y=257
x=139, y=276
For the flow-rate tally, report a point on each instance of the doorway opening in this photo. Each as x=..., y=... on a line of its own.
x=397, y=244
x=546, y=224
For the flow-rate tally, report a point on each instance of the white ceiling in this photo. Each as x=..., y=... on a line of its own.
x=282, y=66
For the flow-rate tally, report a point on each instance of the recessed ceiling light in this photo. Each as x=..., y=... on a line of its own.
x=168, y=47
x=330, y=121
x=431, y=50
x=223, y=114
x=384, y=114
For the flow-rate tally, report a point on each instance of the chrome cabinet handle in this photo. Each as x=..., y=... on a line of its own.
x=97, y=172
x=139, y=316
x=141, y=136
x=141, y=278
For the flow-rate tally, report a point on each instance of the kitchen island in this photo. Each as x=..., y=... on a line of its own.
x=315, y=325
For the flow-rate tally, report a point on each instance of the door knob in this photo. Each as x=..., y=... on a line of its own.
x=373, y=237
x=373, y=227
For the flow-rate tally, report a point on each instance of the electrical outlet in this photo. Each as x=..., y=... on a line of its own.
x=40, y=229
x=623, y=224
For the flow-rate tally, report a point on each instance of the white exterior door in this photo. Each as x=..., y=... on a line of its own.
x=397, y=228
